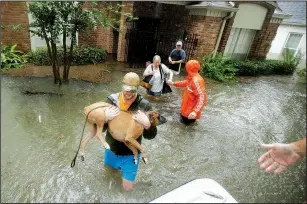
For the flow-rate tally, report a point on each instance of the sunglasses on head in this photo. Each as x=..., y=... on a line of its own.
x=131, y=89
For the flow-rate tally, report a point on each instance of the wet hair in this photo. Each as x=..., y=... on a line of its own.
x=156, y=57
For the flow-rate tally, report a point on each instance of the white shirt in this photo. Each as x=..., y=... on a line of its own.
x=156, y=82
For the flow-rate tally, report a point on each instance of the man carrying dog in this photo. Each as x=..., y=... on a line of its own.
x=120, y=157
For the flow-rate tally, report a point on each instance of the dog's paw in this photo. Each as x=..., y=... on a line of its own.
x=82, y=156
x=145, y=160
x=107, y=146
x=135, y=161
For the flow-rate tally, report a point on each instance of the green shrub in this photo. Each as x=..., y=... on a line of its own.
x=224, y=69
x=290, y=57
x=219, y=68
x=11, y=58
x=82, y=55
x=266, y=67
x=302, y=72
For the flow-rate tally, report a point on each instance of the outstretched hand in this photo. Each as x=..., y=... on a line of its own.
x=279, y=156
x=169, y=82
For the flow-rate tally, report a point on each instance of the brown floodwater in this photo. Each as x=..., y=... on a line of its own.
x=40, y=134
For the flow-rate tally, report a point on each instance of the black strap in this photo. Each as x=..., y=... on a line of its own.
x=160, y=69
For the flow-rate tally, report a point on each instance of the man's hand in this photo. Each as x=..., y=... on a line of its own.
x=142, y=118
x=169, y=82
x=111, y=112
x=192, y=115
x=279, y=156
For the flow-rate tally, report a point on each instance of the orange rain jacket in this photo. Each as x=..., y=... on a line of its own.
x=194, y=96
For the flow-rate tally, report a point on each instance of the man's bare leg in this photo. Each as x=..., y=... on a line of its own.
x=128, y=185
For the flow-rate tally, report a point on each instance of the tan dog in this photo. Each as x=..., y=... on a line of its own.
x=122, y=128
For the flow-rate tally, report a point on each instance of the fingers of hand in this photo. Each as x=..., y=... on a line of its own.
x=264, y=157
x=140, y=113
x=134, y=116
x=280, y=169
x=267, y=163
x=267, y=146
x=192, y=115
x=114, y=111
x=272, y=167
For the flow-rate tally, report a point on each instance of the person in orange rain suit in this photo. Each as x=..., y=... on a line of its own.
x=194, y=97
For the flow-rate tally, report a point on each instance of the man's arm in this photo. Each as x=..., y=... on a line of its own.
x=300, y=147
x=167, y=71
x=200, y=92
x=170, y=56
x=183, y=56
x=180, y=83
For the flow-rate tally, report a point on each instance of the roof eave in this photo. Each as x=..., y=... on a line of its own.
x=293, y=24
x=282, y=16
x=213, y=8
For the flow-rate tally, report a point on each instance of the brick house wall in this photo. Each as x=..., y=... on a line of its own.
x=15, y=13
x=208, y=28
x=100, y=37
x=263, y=39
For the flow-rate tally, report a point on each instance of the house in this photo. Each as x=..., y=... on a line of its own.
x=291, y=33
x=239, y=29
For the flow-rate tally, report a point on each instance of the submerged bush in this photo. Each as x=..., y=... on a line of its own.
x=266, y=67
x=225, y=69
x=82, y=55
x=219, y=68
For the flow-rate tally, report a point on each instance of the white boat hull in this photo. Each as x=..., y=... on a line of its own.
x=197, y=191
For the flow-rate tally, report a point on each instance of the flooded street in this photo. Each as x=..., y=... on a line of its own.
x=40, y=135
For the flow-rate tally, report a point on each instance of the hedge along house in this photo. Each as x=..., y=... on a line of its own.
x=242, y=29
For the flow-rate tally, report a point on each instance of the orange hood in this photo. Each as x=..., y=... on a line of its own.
x=192, y=67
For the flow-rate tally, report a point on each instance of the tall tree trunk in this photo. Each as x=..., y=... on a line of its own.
x=73, y=39
x=50, y=53
x=65, y=77
x=55, y=63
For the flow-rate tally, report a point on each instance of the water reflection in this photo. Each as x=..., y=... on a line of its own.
x=223, y=145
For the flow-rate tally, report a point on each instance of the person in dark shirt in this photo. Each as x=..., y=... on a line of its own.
x=176, y=58
x=119, y=156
